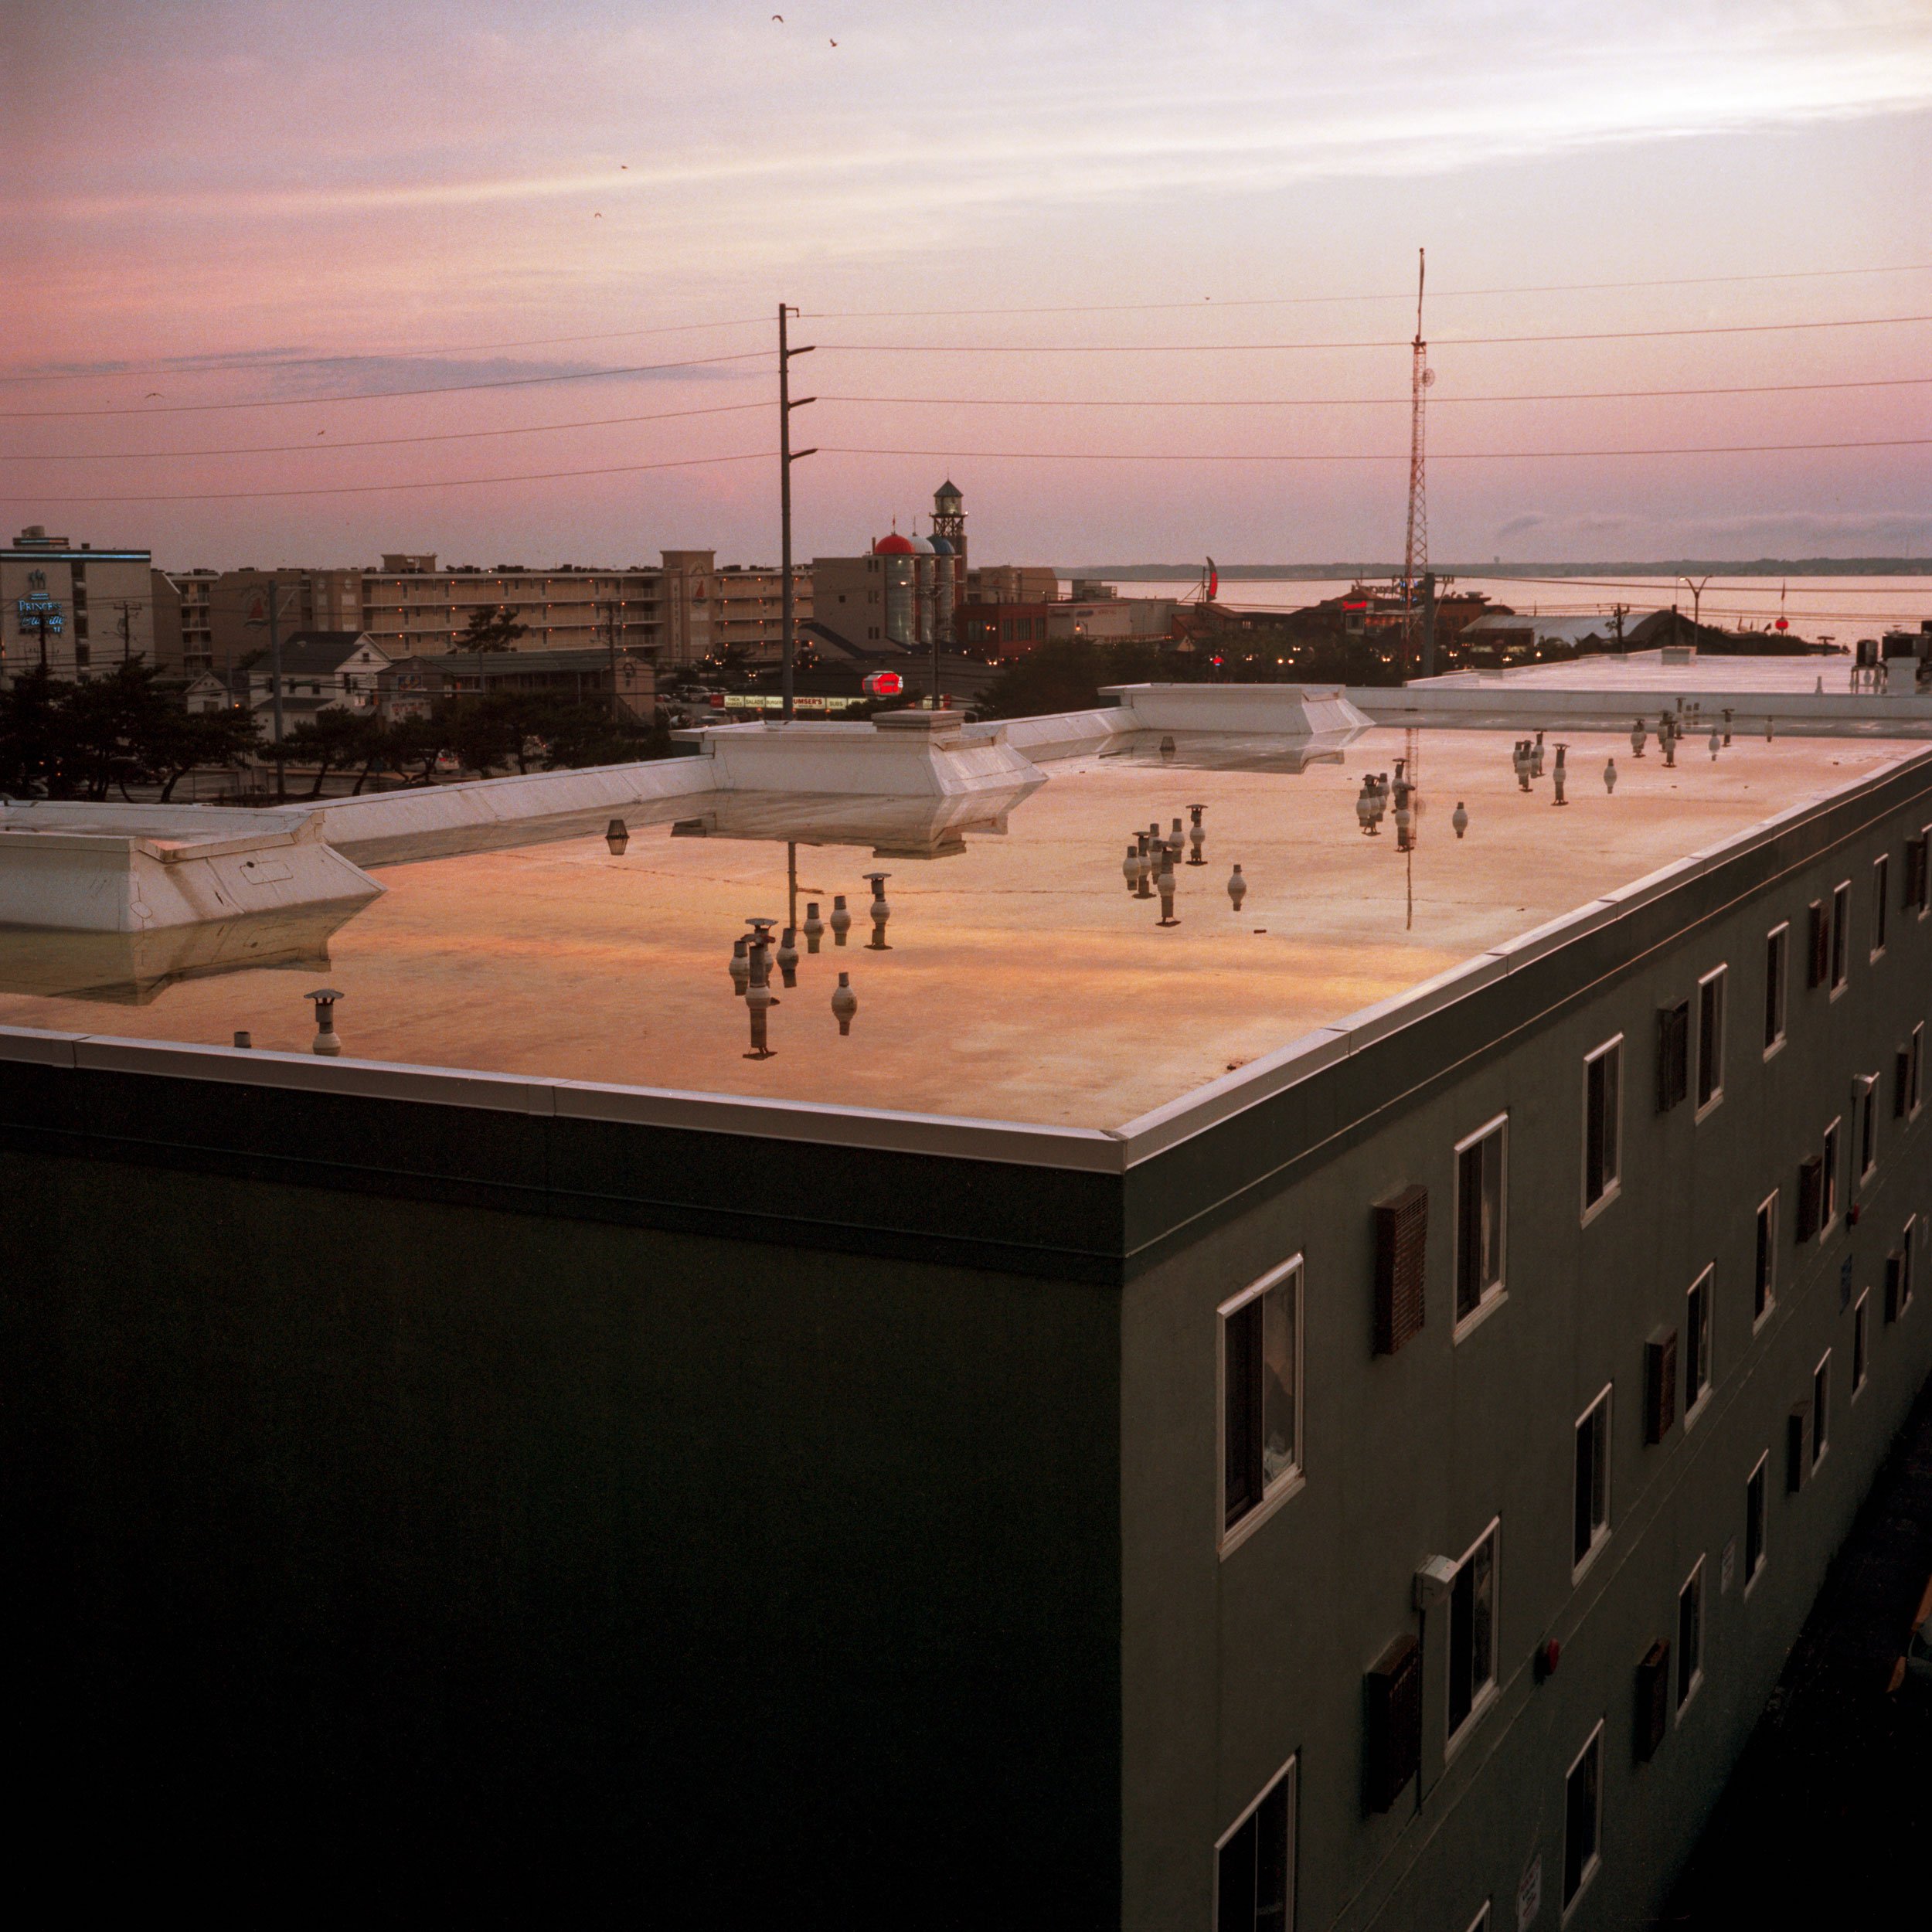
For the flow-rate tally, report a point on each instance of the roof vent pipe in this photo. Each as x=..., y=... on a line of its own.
x=1713, y=741
x=244, y=1038
x=1166, y=749
x=1558, y=775
x=326, y=1042
x=1237, y=888
x=1367, y=807
x=788, y=956
x=1167, y=898
x=1197, y=835
x=1536, y=758
x=1637, y=739
x=815, y=926
x=1131, y=868
x=844, y=1002
x=740, y=964
x=1609, y=774
x=881, y=911
x=841, y=919
x=1460, y=819
x=616, y=837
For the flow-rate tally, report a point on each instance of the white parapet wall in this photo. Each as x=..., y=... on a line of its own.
x=900, y=754
x=1289, y=711
x=423, y=820
x=133, y=868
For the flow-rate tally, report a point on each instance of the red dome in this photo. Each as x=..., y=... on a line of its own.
x=893, y=545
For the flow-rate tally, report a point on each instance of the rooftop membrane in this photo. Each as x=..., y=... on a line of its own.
x=1699, y=671
x=1021, y=979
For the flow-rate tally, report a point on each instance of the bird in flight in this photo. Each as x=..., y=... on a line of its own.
x=152, y=395
x=779, y=17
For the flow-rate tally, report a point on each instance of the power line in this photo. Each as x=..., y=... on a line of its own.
x=1295, y=302
x=1367, y=401
x=383, y=442
x=1390, y=456
x=1438, y=341
x=1050, y=456
x=213, y=366
x=955, y=402
x=390, y=395
x=363, y=489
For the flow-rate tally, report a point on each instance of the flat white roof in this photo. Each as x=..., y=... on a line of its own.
x=1647, y=671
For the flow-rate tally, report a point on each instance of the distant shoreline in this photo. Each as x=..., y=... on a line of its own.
x=1813, y=566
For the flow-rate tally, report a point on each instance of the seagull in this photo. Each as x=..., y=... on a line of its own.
x=834, y=43
x=152, y=395
x=596, y=217
x=779, y=17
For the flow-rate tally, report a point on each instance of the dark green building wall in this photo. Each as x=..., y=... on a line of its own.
x=1234, y=1663
x=716, y=1575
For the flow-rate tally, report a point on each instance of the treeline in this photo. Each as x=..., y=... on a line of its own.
x=102, y=735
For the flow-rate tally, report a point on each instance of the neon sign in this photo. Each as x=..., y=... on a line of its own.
x=32, y=612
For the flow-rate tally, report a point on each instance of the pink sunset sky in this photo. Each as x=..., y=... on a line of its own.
x=279, y=205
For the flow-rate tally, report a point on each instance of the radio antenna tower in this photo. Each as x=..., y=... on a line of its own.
x=1415, y=552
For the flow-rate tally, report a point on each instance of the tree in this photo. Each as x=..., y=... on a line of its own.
x=416, y=743
x=30, y=725
x=332, y=740
x=191, y=740
x=108, y=726
x=493, y=630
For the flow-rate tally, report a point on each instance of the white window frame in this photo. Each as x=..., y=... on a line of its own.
x=1838, y=966
x=1906, y=1235
x=1683, y=1700
x=1496, y=1293
x=1294, y=1479
x=1828, y=1208
x=1915, y=1057
x=1780, y=936
x=1594, y=1742
x=1613, y=1160
x=1491, y=1690
x=1865, y=1088
x=1761, y=1475
x=1861, y=1342
x=1719, y=975
x=1821, y=1437
x=1290, y=1769
x=1925, y=905
x=1695, y=1399
x=1599, y=1534
x=1481, y=1923
x=1760, y=1317
x=1881, y=911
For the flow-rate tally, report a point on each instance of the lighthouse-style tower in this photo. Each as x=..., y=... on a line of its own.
x=949, y=559
x=949, y=521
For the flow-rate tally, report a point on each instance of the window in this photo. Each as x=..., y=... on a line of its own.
x=1690, y=1635
x=1260, y=1393
x=1673, y=1054
x=1817, y=964
x=1917, y=852
x=1841, y=936
x=1472, y=1632
x=1710, y=1041
x=1820, y=1408
x=1858, y=1334
x=1254, y=1863
x=1697, y=1343
x=1482, y=1193
x=1764, y=1274
x=1915, y=1072
x=1827, y=1179
x=1881, y=876
x=1777, y=946
x=1582, y=1818
x=1865, y=1110
x=1754, y=1520
x=1603, y=1124
x=1591, y=1519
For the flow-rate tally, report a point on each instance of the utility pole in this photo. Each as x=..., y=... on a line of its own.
x=272, y=616
x=1697, y=600
x=789, y=644
x=1415, y=552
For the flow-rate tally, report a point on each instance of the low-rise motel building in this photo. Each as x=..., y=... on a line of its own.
x=1263, y=1310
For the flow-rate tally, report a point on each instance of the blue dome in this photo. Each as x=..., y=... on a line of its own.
x=941, y=547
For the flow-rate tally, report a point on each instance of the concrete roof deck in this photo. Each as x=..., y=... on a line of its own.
x=1022, y=982
x=1647, y=671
